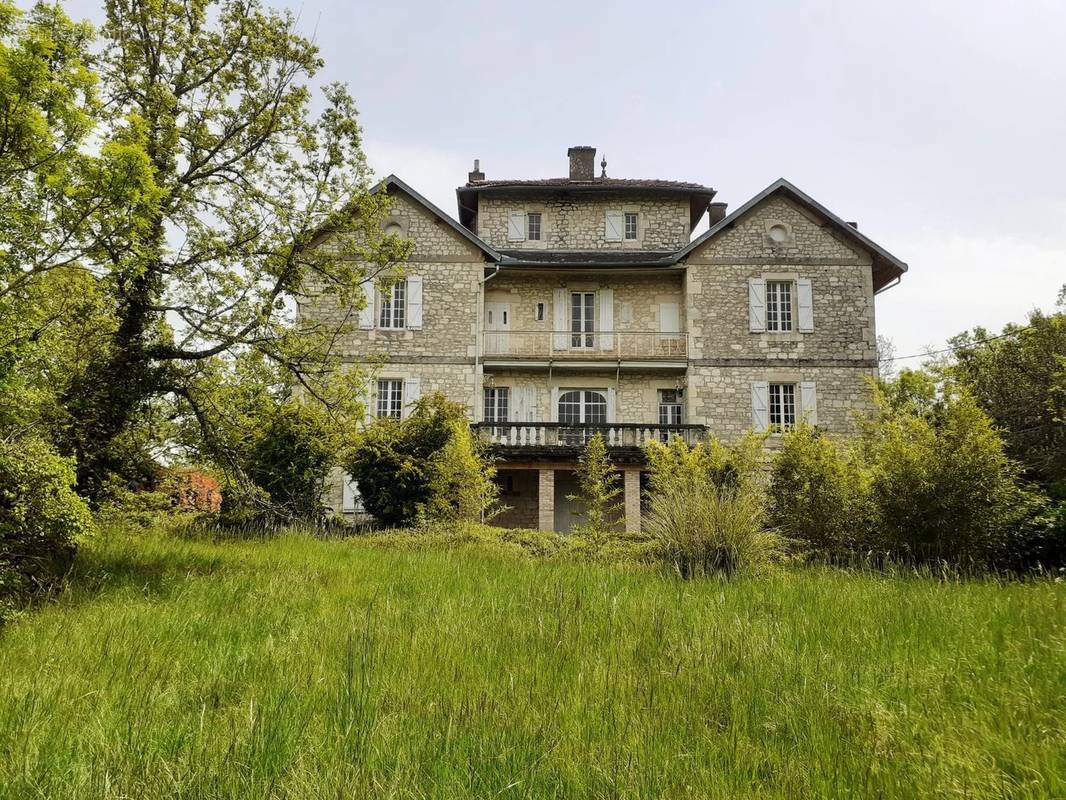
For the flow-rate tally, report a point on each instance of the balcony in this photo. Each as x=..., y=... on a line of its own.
x=552, y=438
x=669, y=349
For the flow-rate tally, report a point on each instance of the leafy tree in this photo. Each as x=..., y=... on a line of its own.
x=1020, y=381
x=599, y=489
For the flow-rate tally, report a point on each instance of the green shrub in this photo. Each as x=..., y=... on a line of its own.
x=943, y=489
x=292, y=459
x=819, y=495
x=424, y=468
x=703, y=518
x=599, y=489
x=41, y=518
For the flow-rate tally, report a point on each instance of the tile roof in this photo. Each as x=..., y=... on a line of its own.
x=595, y=184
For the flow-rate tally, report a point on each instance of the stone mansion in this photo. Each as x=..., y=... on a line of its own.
x=555, y=308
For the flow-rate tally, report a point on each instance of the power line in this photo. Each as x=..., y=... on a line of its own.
x=961, y=346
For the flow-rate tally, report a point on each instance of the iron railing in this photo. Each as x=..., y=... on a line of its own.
x=585, y=345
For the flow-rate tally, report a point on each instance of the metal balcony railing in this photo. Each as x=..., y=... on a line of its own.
x=559, y=434
x=583, y=345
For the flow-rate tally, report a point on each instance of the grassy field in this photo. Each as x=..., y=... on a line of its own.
x=317, y=669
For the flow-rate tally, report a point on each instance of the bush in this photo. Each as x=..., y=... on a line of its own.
x=292, y=459
x=706, y=519
x=424, y=468
x=943, y=489
x=819, y=495
x=599, y=488
x=41, y=518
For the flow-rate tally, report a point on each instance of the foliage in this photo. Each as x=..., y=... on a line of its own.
x=1020, y=381
x=42, y=520
x=707, y=517
x=423, y=467
x=942, y=486
x=726, y=466
x=819, y=494
x=599, y=489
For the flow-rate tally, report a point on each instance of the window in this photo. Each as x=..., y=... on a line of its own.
x=390, y=398
x=582, y=319
x=782, y=406
x=393, y=306
x=779, y=306
x=577, y=409
x=631, y=226
x=538, y=312
x=533, y=226
x=497, y=403
x=670, y=411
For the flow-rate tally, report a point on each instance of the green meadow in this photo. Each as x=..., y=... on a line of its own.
x=298, y=667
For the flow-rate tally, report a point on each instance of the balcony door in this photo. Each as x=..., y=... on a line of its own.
x=582, y=320
x=497, y=328
x=579, y=408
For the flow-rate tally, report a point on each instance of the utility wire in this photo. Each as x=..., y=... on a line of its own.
x=961, y=346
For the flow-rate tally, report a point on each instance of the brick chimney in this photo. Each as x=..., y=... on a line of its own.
x=477, y=174
x=582, y=163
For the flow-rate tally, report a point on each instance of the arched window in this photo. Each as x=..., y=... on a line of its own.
x=583, y=407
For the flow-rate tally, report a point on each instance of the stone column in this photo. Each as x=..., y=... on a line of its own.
x=632, y=493
x=546, y=499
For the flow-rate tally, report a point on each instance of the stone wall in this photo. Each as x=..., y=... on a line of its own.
x=577, y=222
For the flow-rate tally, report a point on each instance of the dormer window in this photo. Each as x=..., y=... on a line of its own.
x=630, y=226
x=533, y=226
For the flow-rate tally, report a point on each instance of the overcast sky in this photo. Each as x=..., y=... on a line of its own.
x=940, y=127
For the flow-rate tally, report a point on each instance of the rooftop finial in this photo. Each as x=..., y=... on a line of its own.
x=603, y=166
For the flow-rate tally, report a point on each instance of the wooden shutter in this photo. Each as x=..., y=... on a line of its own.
x=351, y=501
x=669, y=321
x=371, y=398
x=612, y=401
x=516, y=226
x=606, y=326
x=414, y=302
x=554, y=410
x=412, y=393
x=760, y=405
x=808, y=403
x=366, y=313
x=525, y=404
x=805, y=305
x=559, y=307
x=614, y=226
x=757, y=305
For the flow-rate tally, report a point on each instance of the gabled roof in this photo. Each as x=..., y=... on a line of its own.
x=887, y=267
x=392, y=181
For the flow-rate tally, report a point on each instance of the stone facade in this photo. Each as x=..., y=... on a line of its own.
x=578, y=223
x=778, y=238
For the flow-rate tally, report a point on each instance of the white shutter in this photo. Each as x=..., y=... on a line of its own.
x=669, y=321
x=808, y=403
x=553, y=414
x=606, y=325
x=412, y=393
x=559, y=326
x=613, y=226
x=414, y=302
x=757, y=305
x=366, y=313
x=760, y=405
x=805, y=302
x=516, y=226
x=612, y=401
x=351, y=501
x=371, y=398
x=525, y=404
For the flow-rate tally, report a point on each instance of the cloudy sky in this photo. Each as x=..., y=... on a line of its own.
x=940, y=127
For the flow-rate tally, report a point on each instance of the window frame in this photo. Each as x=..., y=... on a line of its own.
x=783, y=406
x=780, y=312
x=626, y=217
x=500, y=398
x=392, y=401
x=539, y=216
x=392, y=310
x=584, y=337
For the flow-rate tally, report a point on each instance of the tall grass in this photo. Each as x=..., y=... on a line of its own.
x=301, y=668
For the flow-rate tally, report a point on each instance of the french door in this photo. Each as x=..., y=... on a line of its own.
x=582, y=320
x=578, y=409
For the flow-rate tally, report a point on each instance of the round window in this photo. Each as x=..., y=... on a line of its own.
x=778, y=233
x=394, y=229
